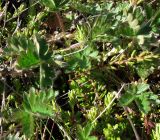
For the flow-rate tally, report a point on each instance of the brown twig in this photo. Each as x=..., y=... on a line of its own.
x=60, y=21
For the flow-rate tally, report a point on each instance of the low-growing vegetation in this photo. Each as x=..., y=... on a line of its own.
x=84, y=70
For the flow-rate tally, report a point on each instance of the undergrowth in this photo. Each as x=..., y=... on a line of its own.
x=84, y=70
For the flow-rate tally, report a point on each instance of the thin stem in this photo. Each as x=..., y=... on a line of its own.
x=64, y=131
x=109, y=105
x=41, y=77
x=46, y=130
x=22, y=11
x=43, y=135
x=133, y=127
x=9, y=131
x=3, y=104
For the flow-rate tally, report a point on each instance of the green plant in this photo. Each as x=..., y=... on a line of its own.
x=156, y=132
x=138, y=93
x=35, y=105
x=82, y=70
x=84, y=133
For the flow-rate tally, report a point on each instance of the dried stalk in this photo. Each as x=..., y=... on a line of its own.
x=109, y=105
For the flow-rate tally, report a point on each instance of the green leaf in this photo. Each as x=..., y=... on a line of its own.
x=26, y=103
x=126, y=99
x=156, y=17
x=42, y=49
x=94, y=54
x=84, y=133
x=54, y=5
x=50, y=95
x=87, y=130
x=61, y=3
x=27, y=122
x=79, y=61
x=49, y=3
x=141, y=87
x=133, y=92
x=145, y=29
x=29, y=54
x=38, y=103
x=17, y=44
x=143, y=103
x=92, y=138
x=28, y=60
x=131, y=89
x=154, y=98
x=149, y=11
x=145, y=68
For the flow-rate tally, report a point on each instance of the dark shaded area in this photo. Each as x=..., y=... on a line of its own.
x=53, y=131
x=12, y=5
x=61, y=84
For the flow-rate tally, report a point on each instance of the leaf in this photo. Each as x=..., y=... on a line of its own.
x=94, y=54
x=92, y=138
x=145, y=29
x=148, y=10
x=84, y=133
x=131, y=89
x=49, y=3
x=31, y=54
x=42, y=49
x=87, y=130
x=145, y=68
x=141, y=87
x=50, y=95
x=38, y=103
x=127, y=31
x=27, y=122
x=133, y=92
x=154, y=98
x=54, y=5
x=156, y=17
x=26, y=103
x=126, y=99
x=19, y=44
x=61, y=3
x=79, y=61
x=28, y=60
x=143, y=102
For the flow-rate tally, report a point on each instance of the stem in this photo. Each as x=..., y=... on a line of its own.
x=3, y=105
x=9, y=131
x=44, y=131
x=109, y=105
x=133, y=127
x=41, y=77
x=66, y=135
x=22, y=11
